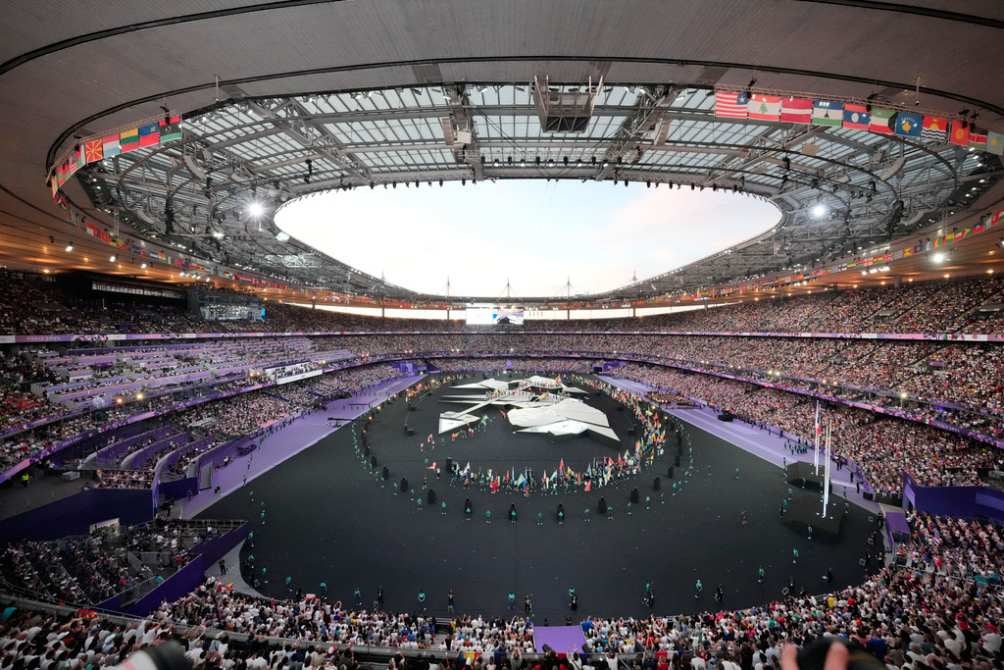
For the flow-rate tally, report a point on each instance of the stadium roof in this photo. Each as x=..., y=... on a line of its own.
x=282, y=99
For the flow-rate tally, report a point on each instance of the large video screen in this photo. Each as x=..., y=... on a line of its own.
x=480, y=315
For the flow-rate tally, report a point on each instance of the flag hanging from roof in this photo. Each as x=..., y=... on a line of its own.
x=762, y=107
x=796, y=110
x=881, y=120
x=960, y=133
x=908, y=124
x=978, y=139
x=129, y=140
x=731, y=104
x=827, y=113
x=935, y=128
x=149, y=135
x=856, y=116
x=995, y=143
x=110, y=145
x=93, y=150
x=170, y=129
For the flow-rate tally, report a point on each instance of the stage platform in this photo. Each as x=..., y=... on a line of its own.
x=804, y=475
x=806, y=510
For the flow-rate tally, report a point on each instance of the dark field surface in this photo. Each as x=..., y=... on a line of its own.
x=328, y=519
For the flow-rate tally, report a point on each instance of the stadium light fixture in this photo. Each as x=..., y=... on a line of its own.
x=112, y=258
x=282, y=236
x=256, y=209
x=939, y=258
x=69, y=248
x=818, y=211
x=142, y=266
x=218, y=234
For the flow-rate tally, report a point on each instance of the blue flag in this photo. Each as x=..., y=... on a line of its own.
x=908, y=124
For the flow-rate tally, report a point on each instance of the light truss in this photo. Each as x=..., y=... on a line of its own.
x=273, y=149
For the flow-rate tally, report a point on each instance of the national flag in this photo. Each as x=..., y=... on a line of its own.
x=53, y=185
x=995, y=143
x=960, y=133
x=796, y=110
x=129, y=140
x=561, y=466
x=731, y=104
x=908, y=124
x=763, y=107
x=827, y=113
x=170, y=129
x=149, y=135
x=110, y=145
x=856, y=116
x=72, y=163
x=881, y=120
x=935, y=129
x=93, y=150
x=978, y=139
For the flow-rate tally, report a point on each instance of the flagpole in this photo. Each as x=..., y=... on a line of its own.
x=826, y=467
x=816, y=431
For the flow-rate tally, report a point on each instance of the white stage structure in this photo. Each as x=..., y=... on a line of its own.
x=539, y=405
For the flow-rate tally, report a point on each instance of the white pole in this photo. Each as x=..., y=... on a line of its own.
x=826, y=467
x=817, y=430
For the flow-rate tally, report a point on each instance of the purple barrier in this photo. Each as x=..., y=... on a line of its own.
x=138, y=458
x=185, y=580
x=177, y=489
x=74, y=514
x=957, y=501
x=897, y=529
x=562, y=639
x=114, y=452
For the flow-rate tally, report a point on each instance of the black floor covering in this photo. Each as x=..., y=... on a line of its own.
x=328, y=519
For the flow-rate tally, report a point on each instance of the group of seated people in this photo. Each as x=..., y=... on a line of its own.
x=883, y=447
x=961, y=548
x=35, y=304
x=918, y=613
x=89, y=569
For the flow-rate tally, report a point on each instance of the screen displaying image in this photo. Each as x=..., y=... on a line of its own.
x=489, y=316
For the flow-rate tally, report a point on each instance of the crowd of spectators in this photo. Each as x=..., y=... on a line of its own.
x=883, y=447
x=938, y=605
x=33, y=304
x=89, y=569
x=956, y=547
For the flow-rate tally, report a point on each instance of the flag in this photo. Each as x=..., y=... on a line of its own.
x=881, y=120
x=93, y=150
x=149, y=135
x=764, y=107
x=796, y=110
x=856, y=116
x=432, y=467
x=731, y=104
x=934, y=129
x=827, y=113
x=170, y=129
x=978, y=139
x=995, y=143
x=561, y=465
x=960, y=133
x=110, y=145
x=129, y=140
x=908, y=124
